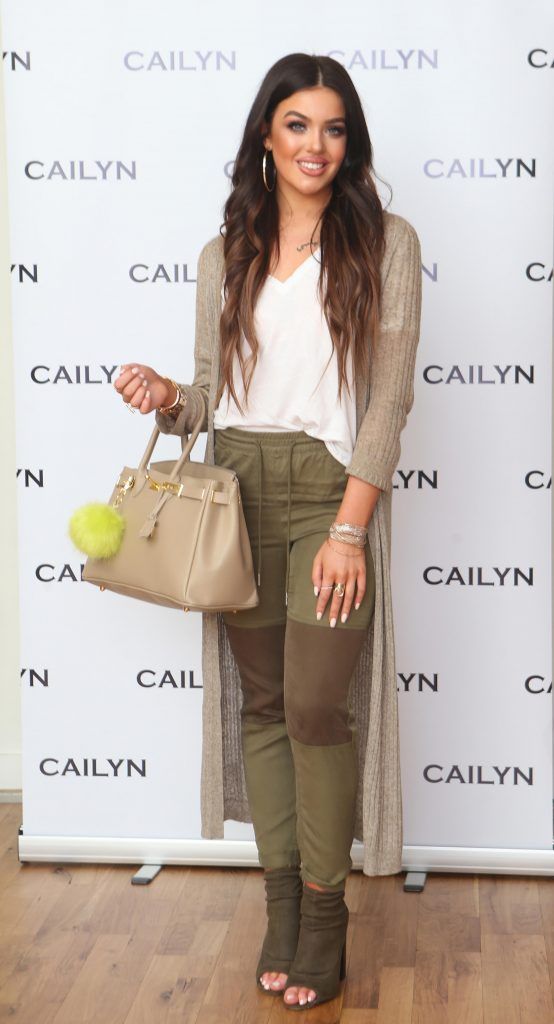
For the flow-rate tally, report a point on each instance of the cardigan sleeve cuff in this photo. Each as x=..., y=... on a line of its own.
x=196, y=405
x=372, y=474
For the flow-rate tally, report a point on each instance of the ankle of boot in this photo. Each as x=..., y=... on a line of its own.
x=328, y=908
x=283, y=884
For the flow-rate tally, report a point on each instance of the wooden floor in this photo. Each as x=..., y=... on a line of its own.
x=79, y=943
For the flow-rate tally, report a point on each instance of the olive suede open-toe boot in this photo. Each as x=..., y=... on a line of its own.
x=320, y=960
x=283, y=894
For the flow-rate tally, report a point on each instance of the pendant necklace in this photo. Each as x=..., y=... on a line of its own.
x=304, y=244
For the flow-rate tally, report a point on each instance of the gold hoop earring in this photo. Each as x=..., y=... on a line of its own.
x=264, y=173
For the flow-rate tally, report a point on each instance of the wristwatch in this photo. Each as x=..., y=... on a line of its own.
x=179, y=402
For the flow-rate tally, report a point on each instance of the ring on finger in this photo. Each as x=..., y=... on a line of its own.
x=339, y=589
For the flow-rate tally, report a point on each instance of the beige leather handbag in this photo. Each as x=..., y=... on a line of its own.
x=185, y=543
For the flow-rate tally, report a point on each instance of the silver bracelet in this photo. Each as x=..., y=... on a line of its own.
x=349, y=533
x=346, y=540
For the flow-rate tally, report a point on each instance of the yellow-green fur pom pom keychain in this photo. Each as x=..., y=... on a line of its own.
x=97, y=530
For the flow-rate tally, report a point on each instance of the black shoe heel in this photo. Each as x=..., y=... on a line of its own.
x=342, y=973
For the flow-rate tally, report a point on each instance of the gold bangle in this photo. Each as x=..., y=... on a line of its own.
x=179, y=402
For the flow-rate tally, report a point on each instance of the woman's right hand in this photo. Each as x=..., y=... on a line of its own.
x=142, y=388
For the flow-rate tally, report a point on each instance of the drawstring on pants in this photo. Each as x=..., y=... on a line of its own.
x=259, y=447
x=289, y=497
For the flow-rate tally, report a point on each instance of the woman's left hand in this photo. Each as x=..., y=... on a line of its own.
x=332, y=566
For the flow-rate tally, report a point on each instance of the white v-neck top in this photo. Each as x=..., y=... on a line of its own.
x=291, y=387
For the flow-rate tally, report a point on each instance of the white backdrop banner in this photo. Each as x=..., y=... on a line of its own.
x=122, y=125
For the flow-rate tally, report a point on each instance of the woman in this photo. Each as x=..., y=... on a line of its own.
x=307, y=323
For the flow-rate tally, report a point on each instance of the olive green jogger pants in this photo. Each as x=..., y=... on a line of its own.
x=298, y=734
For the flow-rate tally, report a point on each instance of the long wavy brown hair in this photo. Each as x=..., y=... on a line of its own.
x=351, y=235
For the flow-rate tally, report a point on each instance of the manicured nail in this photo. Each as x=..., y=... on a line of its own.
x=135, y=369
x=343, y=617
x=318, y=615
x=316, y=591
x=332, y=623
x=148, y=394
x=356, y=606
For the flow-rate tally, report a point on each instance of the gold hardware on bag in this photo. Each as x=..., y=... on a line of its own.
x=185, y=609
x=123, y=487
x=102, y=587
x=175, y=486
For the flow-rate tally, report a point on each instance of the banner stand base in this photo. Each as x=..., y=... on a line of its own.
x=243, y=853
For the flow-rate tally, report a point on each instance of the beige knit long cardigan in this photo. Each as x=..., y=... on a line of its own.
x=382, y=405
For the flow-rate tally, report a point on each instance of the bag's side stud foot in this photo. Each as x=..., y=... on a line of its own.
x=185, y=609
x=102, y=587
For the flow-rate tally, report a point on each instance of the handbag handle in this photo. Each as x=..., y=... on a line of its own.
x=186, y=449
